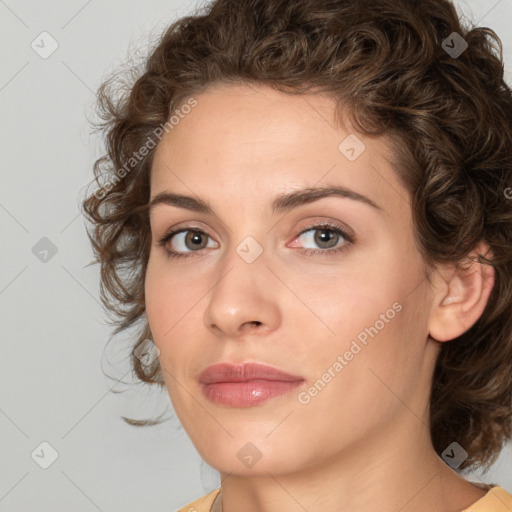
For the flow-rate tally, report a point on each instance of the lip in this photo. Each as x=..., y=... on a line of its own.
x=245, y=385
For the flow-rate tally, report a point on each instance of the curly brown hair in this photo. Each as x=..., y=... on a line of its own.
x=387, y=63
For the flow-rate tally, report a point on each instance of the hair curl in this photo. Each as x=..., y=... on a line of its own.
x=451, y=123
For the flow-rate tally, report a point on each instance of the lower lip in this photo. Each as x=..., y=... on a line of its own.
x=247, y=394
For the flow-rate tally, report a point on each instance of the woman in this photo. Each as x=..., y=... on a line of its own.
x=308, y=206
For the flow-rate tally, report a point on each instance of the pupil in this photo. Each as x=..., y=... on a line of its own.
x=195, y=238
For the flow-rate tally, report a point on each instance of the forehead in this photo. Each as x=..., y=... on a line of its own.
x=231, y=121
x=252, y=141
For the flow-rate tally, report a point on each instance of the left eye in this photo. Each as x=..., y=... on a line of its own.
x=324, y=236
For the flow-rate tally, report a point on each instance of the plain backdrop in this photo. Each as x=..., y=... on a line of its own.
x=54, y=332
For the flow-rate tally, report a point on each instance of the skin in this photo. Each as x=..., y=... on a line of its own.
x=364, y=439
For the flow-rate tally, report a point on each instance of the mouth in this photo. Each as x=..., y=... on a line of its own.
x=245, y=385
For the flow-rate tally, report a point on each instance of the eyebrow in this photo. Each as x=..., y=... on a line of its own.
x=280, y=204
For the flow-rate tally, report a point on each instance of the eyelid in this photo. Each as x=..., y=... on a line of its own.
x=336, y=226
x=180, y=227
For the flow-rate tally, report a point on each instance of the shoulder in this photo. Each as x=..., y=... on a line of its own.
x=497, y=499
x=202, y=504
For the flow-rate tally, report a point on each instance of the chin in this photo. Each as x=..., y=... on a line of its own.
x=253, y=455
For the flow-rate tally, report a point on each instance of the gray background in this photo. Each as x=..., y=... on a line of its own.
x=54, y=333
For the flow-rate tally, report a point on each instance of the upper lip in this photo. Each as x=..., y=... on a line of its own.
x=227, y=372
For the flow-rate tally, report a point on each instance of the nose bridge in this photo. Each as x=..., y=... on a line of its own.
x=243, y=292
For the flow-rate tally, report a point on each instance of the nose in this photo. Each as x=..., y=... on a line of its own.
x=244, y=300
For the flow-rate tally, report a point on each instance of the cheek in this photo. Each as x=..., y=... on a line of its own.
x=375, y=325
x=166, y=298
x=368, y=377
x=173, y=312
x=351, y=297
x=165, y=305
x=156, y=297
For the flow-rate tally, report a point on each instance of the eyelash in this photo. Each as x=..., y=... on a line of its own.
x=349, y=240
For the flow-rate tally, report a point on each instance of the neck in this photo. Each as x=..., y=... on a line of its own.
x=396, y=471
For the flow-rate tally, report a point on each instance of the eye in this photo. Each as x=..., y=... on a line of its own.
x=327, y=237
x=183, y=239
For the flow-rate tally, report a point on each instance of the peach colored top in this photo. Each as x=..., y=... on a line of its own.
x=497, y=499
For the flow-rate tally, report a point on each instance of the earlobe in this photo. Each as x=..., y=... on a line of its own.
x=461, y=296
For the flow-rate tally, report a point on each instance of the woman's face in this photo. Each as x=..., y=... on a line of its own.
x=347, y=315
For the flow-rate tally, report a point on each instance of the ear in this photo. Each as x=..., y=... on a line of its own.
x=460, y=295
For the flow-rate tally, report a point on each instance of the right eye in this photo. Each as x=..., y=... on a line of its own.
x=183, y=239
